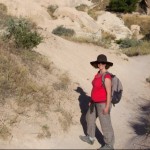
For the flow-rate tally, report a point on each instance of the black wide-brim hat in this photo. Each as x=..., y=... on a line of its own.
x=101, y=59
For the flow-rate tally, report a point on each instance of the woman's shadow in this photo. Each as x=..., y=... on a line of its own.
x=84, y=105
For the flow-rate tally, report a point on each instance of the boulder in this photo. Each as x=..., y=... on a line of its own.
x=114, y=25
x=148, y=6
x=135, y=29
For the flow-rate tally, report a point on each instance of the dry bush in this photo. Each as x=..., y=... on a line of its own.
x=142, y=49
x=62, y=83
x=142, y=20
x=45, y=133
x=5, y=132
x=82, y=7
x=62, y=31
x=103, y=42
x=18, y=80
x=94, y=12
x=65, y=120
x=26, y=80
x=3, y=8
x=107, y=38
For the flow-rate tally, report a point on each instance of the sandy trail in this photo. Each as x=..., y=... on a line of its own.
x=75, y=58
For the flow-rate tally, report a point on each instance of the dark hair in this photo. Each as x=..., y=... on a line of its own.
x=107, y=66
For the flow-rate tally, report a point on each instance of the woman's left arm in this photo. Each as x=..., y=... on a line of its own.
x=108, y=92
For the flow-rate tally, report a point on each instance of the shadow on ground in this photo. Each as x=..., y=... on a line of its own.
x=84, y=100
x=141, y=127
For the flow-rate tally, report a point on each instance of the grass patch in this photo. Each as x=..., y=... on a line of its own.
x=105, y=41
x=142, y=49
x=27, y=78
x=63, y=82
x=62, y=31
x=12, y=74
x=65, y=120
x=126, y=43
x=142, y=20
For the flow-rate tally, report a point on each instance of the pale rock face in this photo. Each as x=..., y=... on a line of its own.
x=148, y=6
x=69, y=3
x=135, y=29
x=111, y=23
x=81, y=22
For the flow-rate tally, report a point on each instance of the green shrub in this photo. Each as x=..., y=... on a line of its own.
x=62, y=31
x=23, y=34
x=122, y=5
x=126, y=43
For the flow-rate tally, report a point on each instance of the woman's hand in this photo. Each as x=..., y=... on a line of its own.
x=106, y=110
x=89, y=103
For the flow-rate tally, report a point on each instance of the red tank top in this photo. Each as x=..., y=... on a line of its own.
x=98, y=93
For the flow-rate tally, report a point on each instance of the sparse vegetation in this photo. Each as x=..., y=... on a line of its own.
x=82, y=7
x=21, y=80
x=65, y=120
x=45, y=133
x=126, y=43
x=93, y=12
x=5, y=132
x=62, y=31
x=63, y=83
x=23, y=34
x=141, y=49
x=3, y=8
x=122, y=5
x=142, y=20
x=51, y=9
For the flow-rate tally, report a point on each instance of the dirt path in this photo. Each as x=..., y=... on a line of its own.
x=77, y=58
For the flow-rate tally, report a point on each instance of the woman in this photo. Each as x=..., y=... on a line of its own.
x=100, y=104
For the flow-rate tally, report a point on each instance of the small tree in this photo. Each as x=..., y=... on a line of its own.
x=23, y=33
x=122, y=5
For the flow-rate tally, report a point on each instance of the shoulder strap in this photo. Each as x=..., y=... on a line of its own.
x=103, y=78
